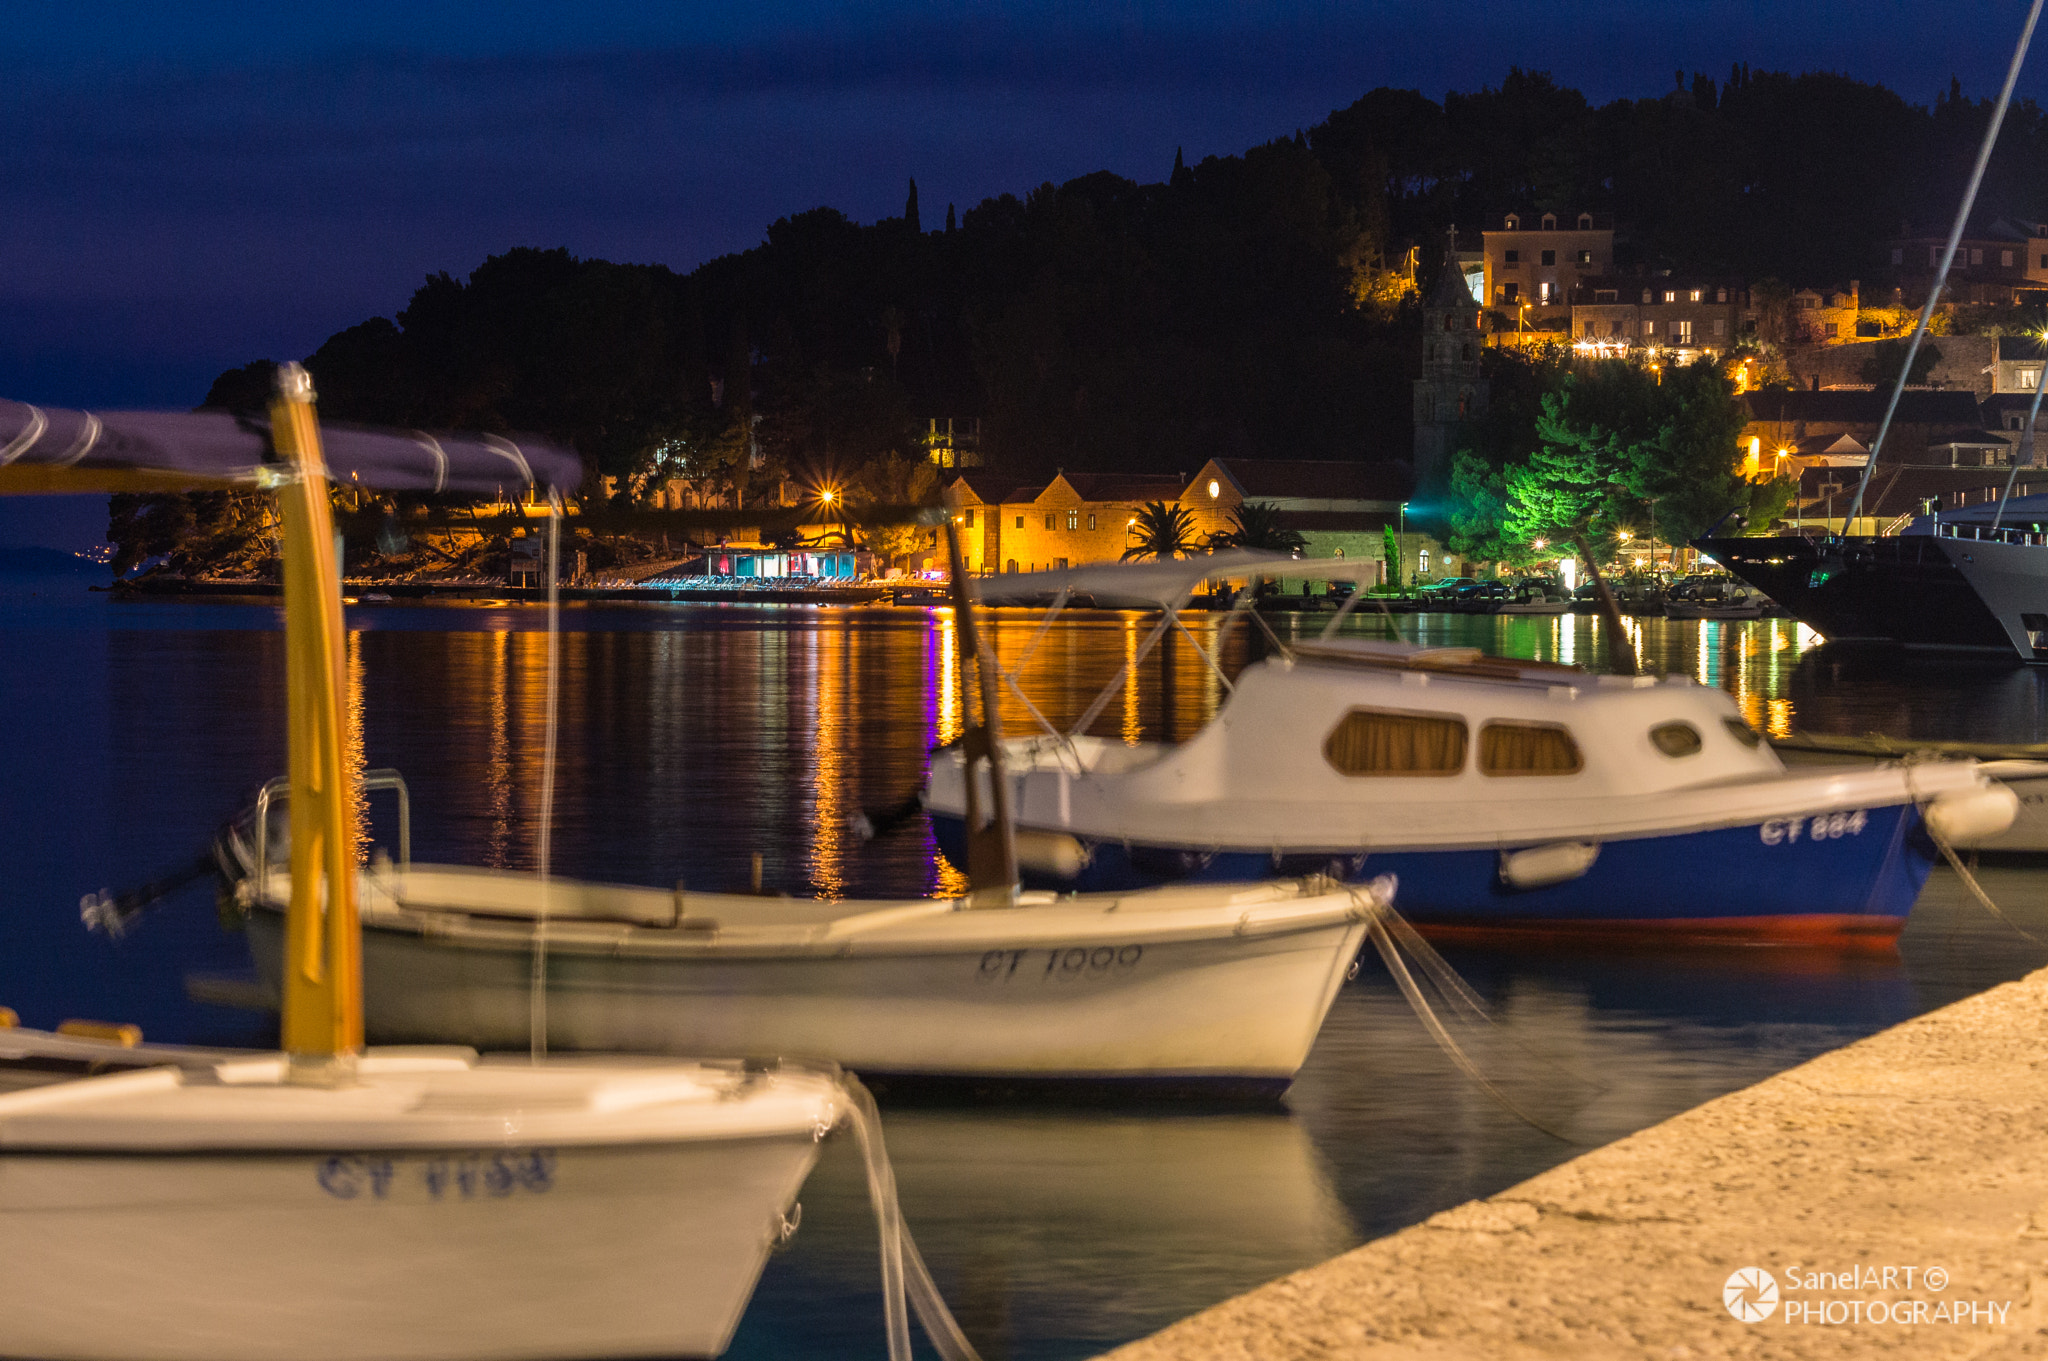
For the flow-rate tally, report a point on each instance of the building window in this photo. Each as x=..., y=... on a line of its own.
x=1511, y=290
x=1514, y=223
x=1550, y=222
x=1048, y=522
x=1585, y=222
x=2005, y=259
x=1614, y=329
x=1073, y=519
x=1684, y=332
x=2029, y=379
x=1671, y=295
x=1720, y=326
x=1585, y=257
x=1514, y=257
x=1377, y=742
x=969, y=519
x=1649, y=328
x=1020, y=525
x=1720, y=295
x=1828, y=331
x=1543, y=291
x=1588, y=332
x=1695, y=295
x=1934, y=257
x=1603, y=295
x=1898, y=255
x=1091, y=519
x=1976, y=257
x=1527, y=749
x=1550, y=257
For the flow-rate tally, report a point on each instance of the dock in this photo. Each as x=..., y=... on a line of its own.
x=1895, y=1192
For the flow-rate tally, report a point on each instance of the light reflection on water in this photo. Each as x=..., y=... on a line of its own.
x=696, y=738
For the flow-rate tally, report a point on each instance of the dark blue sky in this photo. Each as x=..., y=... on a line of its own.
x=188, y=186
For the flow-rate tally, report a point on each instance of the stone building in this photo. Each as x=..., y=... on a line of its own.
x=1997, y=263
x=1534, y=262
x=1453, y=388
x=1679, y=314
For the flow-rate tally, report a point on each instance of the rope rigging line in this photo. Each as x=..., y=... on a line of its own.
x=1955, y=237
x=537, y=998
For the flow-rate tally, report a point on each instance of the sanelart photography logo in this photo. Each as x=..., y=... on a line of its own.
x=1751, y=1294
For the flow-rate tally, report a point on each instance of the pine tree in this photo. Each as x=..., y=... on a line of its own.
x=1180, y=169
x=949, y=217
x=910, y=208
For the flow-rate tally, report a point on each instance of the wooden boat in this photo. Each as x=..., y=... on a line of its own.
x=332, y=1202
x=1215, y=986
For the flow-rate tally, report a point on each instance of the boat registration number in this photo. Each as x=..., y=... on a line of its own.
x=461, y=1176
x=999, y=966
x=1818, y=827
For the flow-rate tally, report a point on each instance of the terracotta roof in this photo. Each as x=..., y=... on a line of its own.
x=990, y=491
x=1124, y=486
x=1319, y=480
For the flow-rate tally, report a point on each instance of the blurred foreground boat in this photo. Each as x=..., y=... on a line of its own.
x=1505, y=795
x=329, y=1202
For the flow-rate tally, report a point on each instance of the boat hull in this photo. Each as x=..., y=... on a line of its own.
x=1771, y=880
x=550, y=1253
x=1228, y=1009
x=1902, y=591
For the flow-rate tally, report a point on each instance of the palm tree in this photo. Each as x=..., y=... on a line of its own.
x=1257, y=525
x=1162, y=531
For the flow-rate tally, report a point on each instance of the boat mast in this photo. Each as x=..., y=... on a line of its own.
x=323, y=979
x=991, y=841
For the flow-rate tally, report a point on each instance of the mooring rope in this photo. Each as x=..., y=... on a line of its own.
x=1976, y=889
x=537, y=996
x=1378, y=915
x=903, y=1269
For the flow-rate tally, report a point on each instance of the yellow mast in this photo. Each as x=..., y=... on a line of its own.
x=323, y=976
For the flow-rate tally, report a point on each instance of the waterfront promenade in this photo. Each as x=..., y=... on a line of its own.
x=1896, y=1191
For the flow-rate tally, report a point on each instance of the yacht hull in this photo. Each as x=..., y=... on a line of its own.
x=1903, y=591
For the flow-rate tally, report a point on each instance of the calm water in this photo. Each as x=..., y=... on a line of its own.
x=695, y=738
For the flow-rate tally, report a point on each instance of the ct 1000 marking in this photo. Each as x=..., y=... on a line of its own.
x=1077, y=962
x=1819, y=827
x=375, y=1176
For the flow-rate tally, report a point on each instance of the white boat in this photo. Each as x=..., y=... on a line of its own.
x=2022, y=768
x=1532, y=597
x=328, y=1202
x=1712, y=597
x=1503, y=794
x=439, y=1206
x=1211, y=985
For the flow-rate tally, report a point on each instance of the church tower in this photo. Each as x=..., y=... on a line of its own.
x=1452, y=389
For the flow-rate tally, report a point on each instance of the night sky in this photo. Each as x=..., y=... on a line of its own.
x=188, y=186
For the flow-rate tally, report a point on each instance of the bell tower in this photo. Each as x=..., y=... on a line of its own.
x=1452, y=389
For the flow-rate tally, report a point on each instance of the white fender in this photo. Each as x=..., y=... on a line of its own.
x=1540, y=866
x=1053, y=853
x=1963, y=820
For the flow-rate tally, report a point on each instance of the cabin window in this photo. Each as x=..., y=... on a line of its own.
x=1383, y=742
x=1527, y=749
x=1742, y=732
x=1677, y=739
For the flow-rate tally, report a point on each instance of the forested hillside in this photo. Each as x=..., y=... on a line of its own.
x=1249, y=305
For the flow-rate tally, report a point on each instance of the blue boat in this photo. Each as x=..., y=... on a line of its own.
x=1507, y=796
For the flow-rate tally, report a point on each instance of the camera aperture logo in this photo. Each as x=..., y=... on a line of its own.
x=1751, y=1294
x=1895, y=1295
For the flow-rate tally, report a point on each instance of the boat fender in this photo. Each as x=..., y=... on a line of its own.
x=1057, y=854
x=1541, y=866
x=1965, y=819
